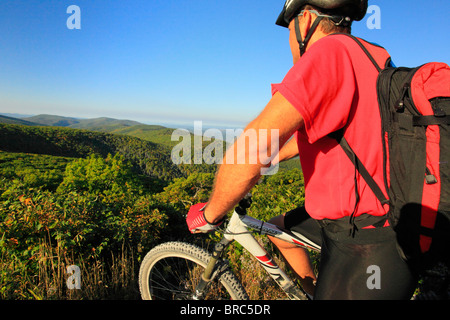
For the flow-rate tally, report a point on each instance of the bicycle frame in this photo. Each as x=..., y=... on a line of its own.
x=238, y=230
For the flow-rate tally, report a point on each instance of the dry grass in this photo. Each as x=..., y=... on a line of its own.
x=112, y=279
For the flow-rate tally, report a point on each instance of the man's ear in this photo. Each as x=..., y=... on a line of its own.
x=306, y=23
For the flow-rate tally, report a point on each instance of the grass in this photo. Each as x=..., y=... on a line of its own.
x=100, y=280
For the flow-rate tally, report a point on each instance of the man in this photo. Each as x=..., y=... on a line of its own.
x=331, y=87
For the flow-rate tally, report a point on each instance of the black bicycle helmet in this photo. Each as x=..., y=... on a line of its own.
x=353, y=9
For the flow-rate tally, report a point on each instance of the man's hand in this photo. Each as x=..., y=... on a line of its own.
x=197, y=222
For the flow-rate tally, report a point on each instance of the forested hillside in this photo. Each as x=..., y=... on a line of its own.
x=101, y=201
x=149, y=158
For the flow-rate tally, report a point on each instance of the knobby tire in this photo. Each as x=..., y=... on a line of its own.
x=172, y=270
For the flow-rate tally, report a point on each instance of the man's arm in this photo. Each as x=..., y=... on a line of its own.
x=233, y=180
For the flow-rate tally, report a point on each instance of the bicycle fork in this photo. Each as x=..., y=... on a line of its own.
x=210, y=269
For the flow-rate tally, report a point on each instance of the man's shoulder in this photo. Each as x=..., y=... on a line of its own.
x=346, y=40
x=334, y=43
x=334, y=40
x=333, y=47
x=352, y=46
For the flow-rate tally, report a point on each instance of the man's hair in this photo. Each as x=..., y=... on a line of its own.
x=326, y=24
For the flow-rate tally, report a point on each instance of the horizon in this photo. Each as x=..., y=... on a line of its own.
x=190, y=126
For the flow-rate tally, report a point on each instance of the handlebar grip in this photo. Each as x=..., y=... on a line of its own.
x=244, y=204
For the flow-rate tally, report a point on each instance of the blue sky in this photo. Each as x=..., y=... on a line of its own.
x=172, y=61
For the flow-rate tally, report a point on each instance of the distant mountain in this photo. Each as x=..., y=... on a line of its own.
x=96, y=124
x=11, y=120
x=103, y=124
x=51, y=120
x=153, y=133
x=16, y=115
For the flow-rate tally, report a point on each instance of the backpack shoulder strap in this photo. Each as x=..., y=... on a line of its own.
x=363, y=45
x=339, y=137
x=369, y=55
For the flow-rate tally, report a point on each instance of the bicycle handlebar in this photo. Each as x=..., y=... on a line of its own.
x=244, y=204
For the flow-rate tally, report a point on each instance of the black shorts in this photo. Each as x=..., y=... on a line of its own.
x=364, y=266
x=300, y=221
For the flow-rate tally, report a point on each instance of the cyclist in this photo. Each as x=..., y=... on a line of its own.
x=331, y=86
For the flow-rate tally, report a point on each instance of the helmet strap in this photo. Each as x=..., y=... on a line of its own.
x=304, y=43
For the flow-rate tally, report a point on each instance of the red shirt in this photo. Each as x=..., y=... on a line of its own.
x=333, y=86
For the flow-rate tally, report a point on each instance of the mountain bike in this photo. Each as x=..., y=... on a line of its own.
x=183, y=271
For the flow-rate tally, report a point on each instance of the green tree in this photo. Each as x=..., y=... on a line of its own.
x=97, y=175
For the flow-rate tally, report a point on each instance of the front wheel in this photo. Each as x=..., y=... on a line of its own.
x=172, y=270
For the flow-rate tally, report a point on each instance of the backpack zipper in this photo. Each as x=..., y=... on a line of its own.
x=400, y=104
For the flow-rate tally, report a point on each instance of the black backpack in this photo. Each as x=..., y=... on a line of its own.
x=415, y=114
